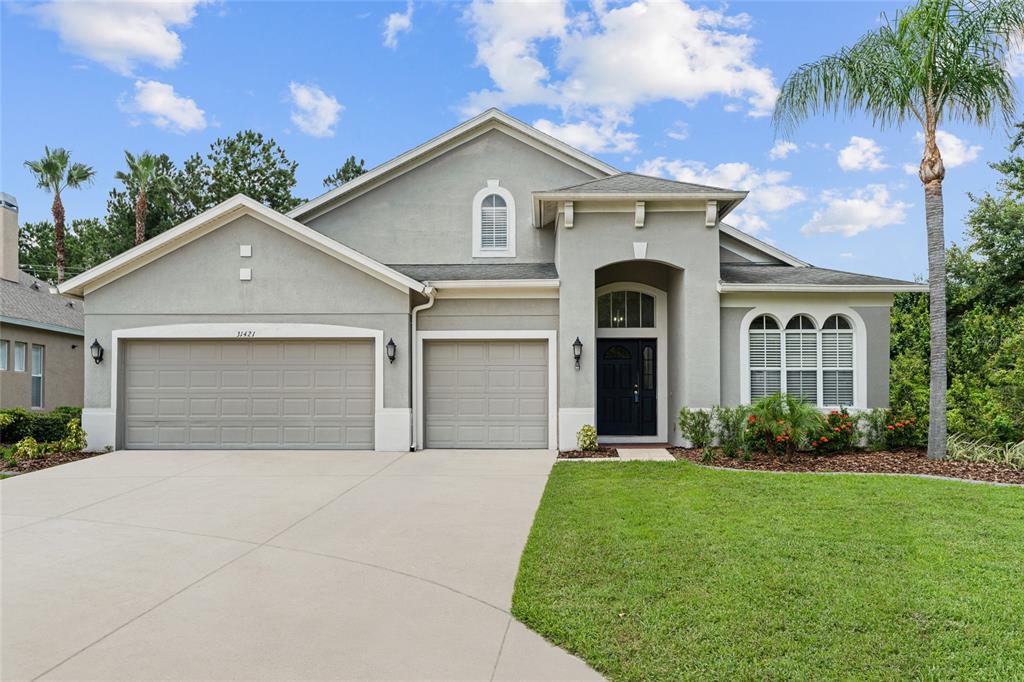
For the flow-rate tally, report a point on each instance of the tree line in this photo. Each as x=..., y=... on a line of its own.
x=154, y=195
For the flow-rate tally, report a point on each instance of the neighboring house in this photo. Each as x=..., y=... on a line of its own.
x=41, y=350
x=436, y=300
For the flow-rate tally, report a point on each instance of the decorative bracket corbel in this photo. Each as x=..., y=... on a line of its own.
x=568, y=214
x=640, y=211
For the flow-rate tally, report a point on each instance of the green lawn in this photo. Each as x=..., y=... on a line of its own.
x=661, y=571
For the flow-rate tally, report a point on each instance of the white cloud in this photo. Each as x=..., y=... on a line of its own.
x=608, y=61
x=769, y=191
x=955, y=151
x=120, y=34
x=862, y=153
x=679, y=131
x=782, y=149
x=164, y=107
x=864, y=209
x=846, y=254
x=591, y=136
x=314, y=112
x=397, y=23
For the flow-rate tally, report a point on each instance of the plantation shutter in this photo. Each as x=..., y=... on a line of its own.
x=837, y=368
x=493, y=223
x=802, y=360
x=765, y=363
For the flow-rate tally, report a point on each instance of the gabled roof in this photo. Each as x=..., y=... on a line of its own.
x=480, y=271
x=218, y=216
x=29, y=303
x=482, y=123
x=764, y=247
x=764, y=277
x=634, y=183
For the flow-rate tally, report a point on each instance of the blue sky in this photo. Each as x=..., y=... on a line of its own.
x=667, y=88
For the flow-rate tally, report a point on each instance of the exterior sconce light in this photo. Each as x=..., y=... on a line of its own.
x=97, y=351
x=391, y=349
x=577, y=351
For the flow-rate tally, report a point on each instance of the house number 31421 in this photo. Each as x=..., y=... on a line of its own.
x=246, y=333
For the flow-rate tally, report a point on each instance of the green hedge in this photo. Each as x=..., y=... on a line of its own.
x=43, y=426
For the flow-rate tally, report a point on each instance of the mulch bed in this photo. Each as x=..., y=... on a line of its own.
x=600, y=453
x=26, y=465
x=910, y=461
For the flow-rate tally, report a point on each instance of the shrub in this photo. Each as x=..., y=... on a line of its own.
x=732, y=428
x=888, y=429
x=782, y=424
x=74, y=438
x=964, y=449
x=838, y=433
x=695, y=426
x=876, y=420
x=18, y=423
x=29, y=448
x=586, y=438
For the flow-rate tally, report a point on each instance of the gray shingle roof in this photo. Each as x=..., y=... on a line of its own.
x=634, y=183
x=490, y=271
x=20, y=301
x=732, y=273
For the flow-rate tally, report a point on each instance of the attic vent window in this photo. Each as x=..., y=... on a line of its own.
x=494, y=222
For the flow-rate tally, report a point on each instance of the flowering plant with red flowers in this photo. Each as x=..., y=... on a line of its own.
x=838, y=433
x=902, y=432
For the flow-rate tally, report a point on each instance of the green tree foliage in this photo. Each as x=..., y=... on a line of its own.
x=164, y=207
x=246, y=163
x=87, y=243
x=350, y=170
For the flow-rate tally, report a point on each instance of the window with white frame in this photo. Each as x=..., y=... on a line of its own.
x=765, y=357
x=494, y=222
x=837, y=362
x=815, y=365
x=5, y=349
x=37, y=376
x=802, y=359
x=20, y=350
x=625, y=309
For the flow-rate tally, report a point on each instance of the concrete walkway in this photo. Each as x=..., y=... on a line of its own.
x=272, y=565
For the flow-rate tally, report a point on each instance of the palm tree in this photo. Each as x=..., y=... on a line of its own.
x=145, y=175
x=937, y=60
x=55, y=173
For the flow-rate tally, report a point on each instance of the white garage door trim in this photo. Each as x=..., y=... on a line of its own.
x=492, y=335
x=384, y=420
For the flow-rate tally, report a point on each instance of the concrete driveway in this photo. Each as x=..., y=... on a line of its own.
x=272, y=565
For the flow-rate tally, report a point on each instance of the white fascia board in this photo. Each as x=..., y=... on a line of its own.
x=767, y=248
x=424, y=152
x=638, y=196
x=727, y=288
x=220, y=215
x=517, y=288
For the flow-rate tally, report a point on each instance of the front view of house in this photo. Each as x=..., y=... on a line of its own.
x=491, y=288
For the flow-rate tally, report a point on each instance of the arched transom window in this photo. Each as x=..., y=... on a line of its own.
x=625, y=309
x=494, y=222
x=815, y=365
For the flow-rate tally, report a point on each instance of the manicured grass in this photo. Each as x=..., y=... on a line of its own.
x=662, y=571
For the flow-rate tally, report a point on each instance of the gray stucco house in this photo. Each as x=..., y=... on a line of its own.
x=436, y=301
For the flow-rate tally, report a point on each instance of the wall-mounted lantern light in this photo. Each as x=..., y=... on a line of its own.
x=391, y=349
x=577, y=351
x=97, y=351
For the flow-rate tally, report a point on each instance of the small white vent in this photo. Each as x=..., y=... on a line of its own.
x=245, y=274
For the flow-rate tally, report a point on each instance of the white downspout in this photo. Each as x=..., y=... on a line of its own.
x=429, y=293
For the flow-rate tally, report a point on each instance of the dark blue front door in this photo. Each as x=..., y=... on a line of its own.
x=627, y=396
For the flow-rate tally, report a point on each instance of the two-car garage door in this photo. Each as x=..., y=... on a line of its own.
x=181, y=394
x=485, y=394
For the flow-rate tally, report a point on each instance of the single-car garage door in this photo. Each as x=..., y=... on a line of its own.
x=485, y=394
x=248, y=394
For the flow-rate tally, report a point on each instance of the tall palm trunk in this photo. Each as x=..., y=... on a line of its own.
x=932, y=173
x=141, y=208
x=58, y=234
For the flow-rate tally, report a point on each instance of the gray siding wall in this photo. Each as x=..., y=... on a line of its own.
x=489, y=313
x=425, y=215
x=291, y=282
x=678, y=239
x=732, y=318
x=876, y=319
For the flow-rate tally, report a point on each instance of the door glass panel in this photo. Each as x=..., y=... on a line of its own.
x=648, y=368
x=618, y=353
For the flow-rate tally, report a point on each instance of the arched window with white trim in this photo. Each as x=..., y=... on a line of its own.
x=494, y=222
x=802, y=359
x=765, y=357
x=837, y=362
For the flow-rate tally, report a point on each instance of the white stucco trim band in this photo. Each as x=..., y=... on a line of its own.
x=550, y=335
x=218, y=216
x=727, y=288
x=391, y=425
